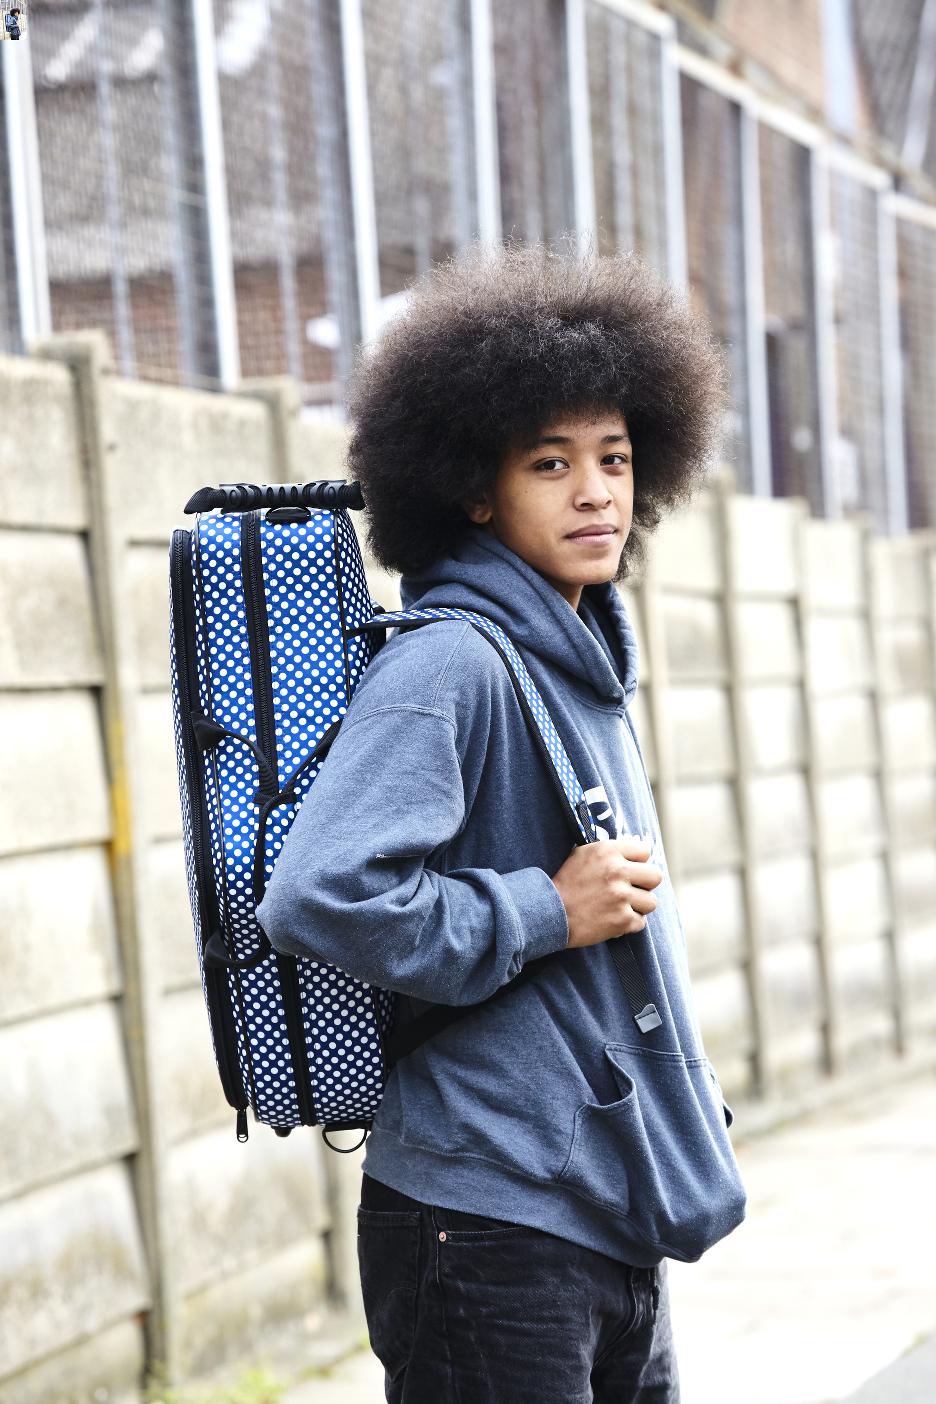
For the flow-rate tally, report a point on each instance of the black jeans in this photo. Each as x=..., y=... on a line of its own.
x=463, y=1309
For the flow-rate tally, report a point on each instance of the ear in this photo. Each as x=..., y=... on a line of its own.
x=478, y=509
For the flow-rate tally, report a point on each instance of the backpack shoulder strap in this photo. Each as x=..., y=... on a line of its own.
x=570, y=788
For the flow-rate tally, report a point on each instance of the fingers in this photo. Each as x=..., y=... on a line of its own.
x=642, y=902
x=642, y=874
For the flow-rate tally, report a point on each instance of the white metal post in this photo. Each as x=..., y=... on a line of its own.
x=895, y=465
x=216, y=199
x=485, y=123
x=754, y=311
x=583, y=178
x=673, y=163
x=823, y=254
x=32, y=277
x=366, y=254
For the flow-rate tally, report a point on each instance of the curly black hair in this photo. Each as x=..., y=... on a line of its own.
x=491, y=347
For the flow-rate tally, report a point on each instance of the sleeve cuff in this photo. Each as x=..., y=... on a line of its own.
x=544, y=926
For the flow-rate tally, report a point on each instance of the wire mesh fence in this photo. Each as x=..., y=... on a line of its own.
x=855, y=279
x=711, y=134
x=916, y=252
x=625, y=80
x=239, y=188
x=790, y=315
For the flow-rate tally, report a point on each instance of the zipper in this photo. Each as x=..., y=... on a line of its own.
x=258, y=634
x=216, y=987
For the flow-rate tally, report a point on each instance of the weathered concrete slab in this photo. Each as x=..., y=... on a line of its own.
x=686, y=548
x=694, y=634
x=42, y=483
x=786, y=901
x=768, y=641
x=147, y=602
x=640, y=716
x=233, y=1206
x=159, y=788
x=774, y=726
x=633, y=601
x=791, y=985
x=163, y=443
x=108, y=1367
x=193, y=1098
x=833, y=564
x=764, y=544
x=52, y=777
x=914, y=873
x=839, y=653
x=171, y=915
x=321, y=447
x=859, y=904
x=701, y=730
x=63, y=900
x=711, y=906
x=284, y=1291
x=723, y=1009
x=905, y=656
x=899, y=583
x=908, y=733
x=66, y=1089
x=48, y=631
x=861, y=977
x=867, y=1039
x=781, y=820
x=912, y=800
x=71, y=1264
x=918, y=966
x=851, y=816
x=706, y=822
x=845, y=733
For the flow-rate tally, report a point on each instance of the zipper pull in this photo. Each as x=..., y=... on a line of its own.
x=242, y=1124
x=584, y=813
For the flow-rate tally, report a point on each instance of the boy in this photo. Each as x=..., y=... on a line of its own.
x=530, y=1168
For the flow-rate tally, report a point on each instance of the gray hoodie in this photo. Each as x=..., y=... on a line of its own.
x=419, y=861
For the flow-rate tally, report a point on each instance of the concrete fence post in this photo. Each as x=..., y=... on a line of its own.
x=88, y=356
x=341, y=1172
x=281, y=395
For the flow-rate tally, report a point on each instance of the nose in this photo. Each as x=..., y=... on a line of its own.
x=592, y=488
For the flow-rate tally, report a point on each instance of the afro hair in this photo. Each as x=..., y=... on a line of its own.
x=492, y=346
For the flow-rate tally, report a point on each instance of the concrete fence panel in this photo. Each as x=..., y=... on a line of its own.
x=43, y=483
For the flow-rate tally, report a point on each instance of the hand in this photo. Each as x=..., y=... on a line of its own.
x=604, y=888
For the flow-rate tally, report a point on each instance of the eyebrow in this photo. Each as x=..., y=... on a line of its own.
x=562, y=439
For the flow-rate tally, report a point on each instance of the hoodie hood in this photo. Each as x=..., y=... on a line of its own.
x=595, y=646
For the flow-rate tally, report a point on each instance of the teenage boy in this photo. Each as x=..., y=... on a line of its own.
x=517, y=431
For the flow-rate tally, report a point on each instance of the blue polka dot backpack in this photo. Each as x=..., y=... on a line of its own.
x=272, y=627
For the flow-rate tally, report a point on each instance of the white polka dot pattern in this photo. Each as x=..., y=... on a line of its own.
x=557, y=752
x=315, y=588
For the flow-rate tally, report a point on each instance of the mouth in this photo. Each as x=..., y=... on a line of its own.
x=594, y=534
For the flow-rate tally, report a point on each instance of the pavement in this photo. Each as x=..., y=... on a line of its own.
x=826, y=1294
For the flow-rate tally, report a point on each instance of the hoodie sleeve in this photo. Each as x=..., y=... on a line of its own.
x=352, y=885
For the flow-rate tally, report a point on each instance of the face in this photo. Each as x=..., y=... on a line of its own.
x=564, y=501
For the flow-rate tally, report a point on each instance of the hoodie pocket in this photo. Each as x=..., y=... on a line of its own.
x=660, y=1155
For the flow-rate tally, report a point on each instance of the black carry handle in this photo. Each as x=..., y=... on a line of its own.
x=244, y=497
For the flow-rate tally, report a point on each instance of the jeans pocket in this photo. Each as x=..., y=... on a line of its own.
x=459, y=1223
x=388, y=1259
x=660, y=1155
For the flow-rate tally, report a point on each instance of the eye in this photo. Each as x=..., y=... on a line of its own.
x=547, y=461
x=622, y=456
